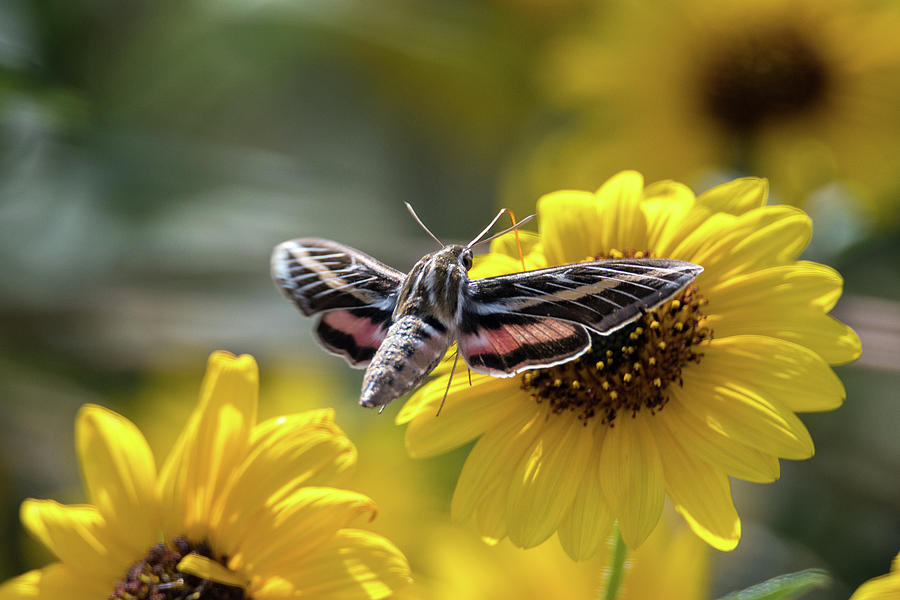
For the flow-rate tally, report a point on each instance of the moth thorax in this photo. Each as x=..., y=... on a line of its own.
x=630, y=370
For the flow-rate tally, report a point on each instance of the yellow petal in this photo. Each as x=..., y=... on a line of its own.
x=492, y=459
x=666, y=207
x=546, y=481
x=354, y=564
x=712, y=446
x=569, y=224
x=53, y=582
x=773, y=368
x=587, y=525
x=292, y=452
x=736, y=197
x=119, y=475
x=509, y=244
x=767, y=236
x=467, y=413
x=631, y=477
x=787, y=302
x=211, y=446
x=886, y=587
x=207, y=568
x=698, y=491
x=622, y=224
x=78, y=536
x=727, y=407
x=276, y=536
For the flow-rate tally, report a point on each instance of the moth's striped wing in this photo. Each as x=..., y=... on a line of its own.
x=356, y=292
x=505, y=344
x=602, y=296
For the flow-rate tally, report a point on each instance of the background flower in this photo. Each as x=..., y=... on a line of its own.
x=236, y=504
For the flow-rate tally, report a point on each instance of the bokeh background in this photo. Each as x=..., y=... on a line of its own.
x=153, y=152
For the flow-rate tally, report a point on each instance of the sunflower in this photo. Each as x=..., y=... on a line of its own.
x=804, y=91
x=673, y=564
x=238, y=510
x=700, y=389
x=881, y=588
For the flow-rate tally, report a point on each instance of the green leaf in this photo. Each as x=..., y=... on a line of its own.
x=784, y=587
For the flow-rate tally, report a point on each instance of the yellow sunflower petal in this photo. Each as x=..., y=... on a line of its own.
x=546, y=481
x=289, y=452
x=53, y=582
x=211, y=570
x=668, y=208
x=588, y=523
x=787, y=302
x=78, y=536
x=886, y=587
x=714, y=447
x=774, y=368
x=803, y=284
x=493, y=454
x=508, y=245
x=354, y=564
x=119, y=474
x=569, y=223
x=273, y=538
x=737, y=412
x=698, y=491
x=631, y=476
x=468, y=413
x=211, y=446
x=760, y=238
x=622, y=224
x=736, y=197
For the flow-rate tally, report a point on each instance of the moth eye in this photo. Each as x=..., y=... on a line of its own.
x=467, y=260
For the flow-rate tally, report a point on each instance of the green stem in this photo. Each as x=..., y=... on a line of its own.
x=616, y=567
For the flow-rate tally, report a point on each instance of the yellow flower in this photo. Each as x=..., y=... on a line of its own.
x=805, y=91
x=700, y=389
x=672, y=564
x=240, y=509
x=886, y=587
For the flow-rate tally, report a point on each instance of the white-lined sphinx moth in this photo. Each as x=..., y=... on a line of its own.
x=399, y=326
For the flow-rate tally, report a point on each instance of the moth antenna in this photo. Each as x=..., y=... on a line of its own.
x=504, y=232
x=421, y=224
x=518, y=245
x=486, y=229
x=449, y=381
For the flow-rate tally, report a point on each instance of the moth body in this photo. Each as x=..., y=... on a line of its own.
x=410, y=351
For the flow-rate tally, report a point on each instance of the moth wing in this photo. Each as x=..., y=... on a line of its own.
x=603, y=295
x=356, y=293
x=503, y=344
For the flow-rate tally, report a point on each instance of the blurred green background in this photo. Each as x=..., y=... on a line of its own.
x=153, y=152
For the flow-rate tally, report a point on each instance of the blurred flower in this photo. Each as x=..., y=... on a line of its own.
x=673, y=563
x=881, y=588
x=805, y=92
x=238, y=510
x=699, y=389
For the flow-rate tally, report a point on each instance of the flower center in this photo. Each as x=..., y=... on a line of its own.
x=156, y=577
x=631, y=369
x=765, y=75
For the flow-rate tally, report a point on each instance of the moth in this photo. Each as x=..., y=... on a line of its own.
x=398, y=326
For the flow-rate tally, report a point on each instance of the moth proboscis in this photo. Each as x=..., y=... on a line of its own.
x=399, y=326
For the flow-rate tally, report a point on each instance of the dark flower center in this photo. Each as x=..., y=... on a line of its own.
x=156, y=577
x=630, y=370
x=762, y=76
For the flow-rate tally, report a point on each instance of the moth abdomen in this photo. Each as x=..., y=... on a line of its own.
x=411, y=350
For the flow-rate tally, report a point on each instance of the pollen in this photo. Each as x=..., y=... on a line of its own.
x=630, y=370
x=156, y=577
